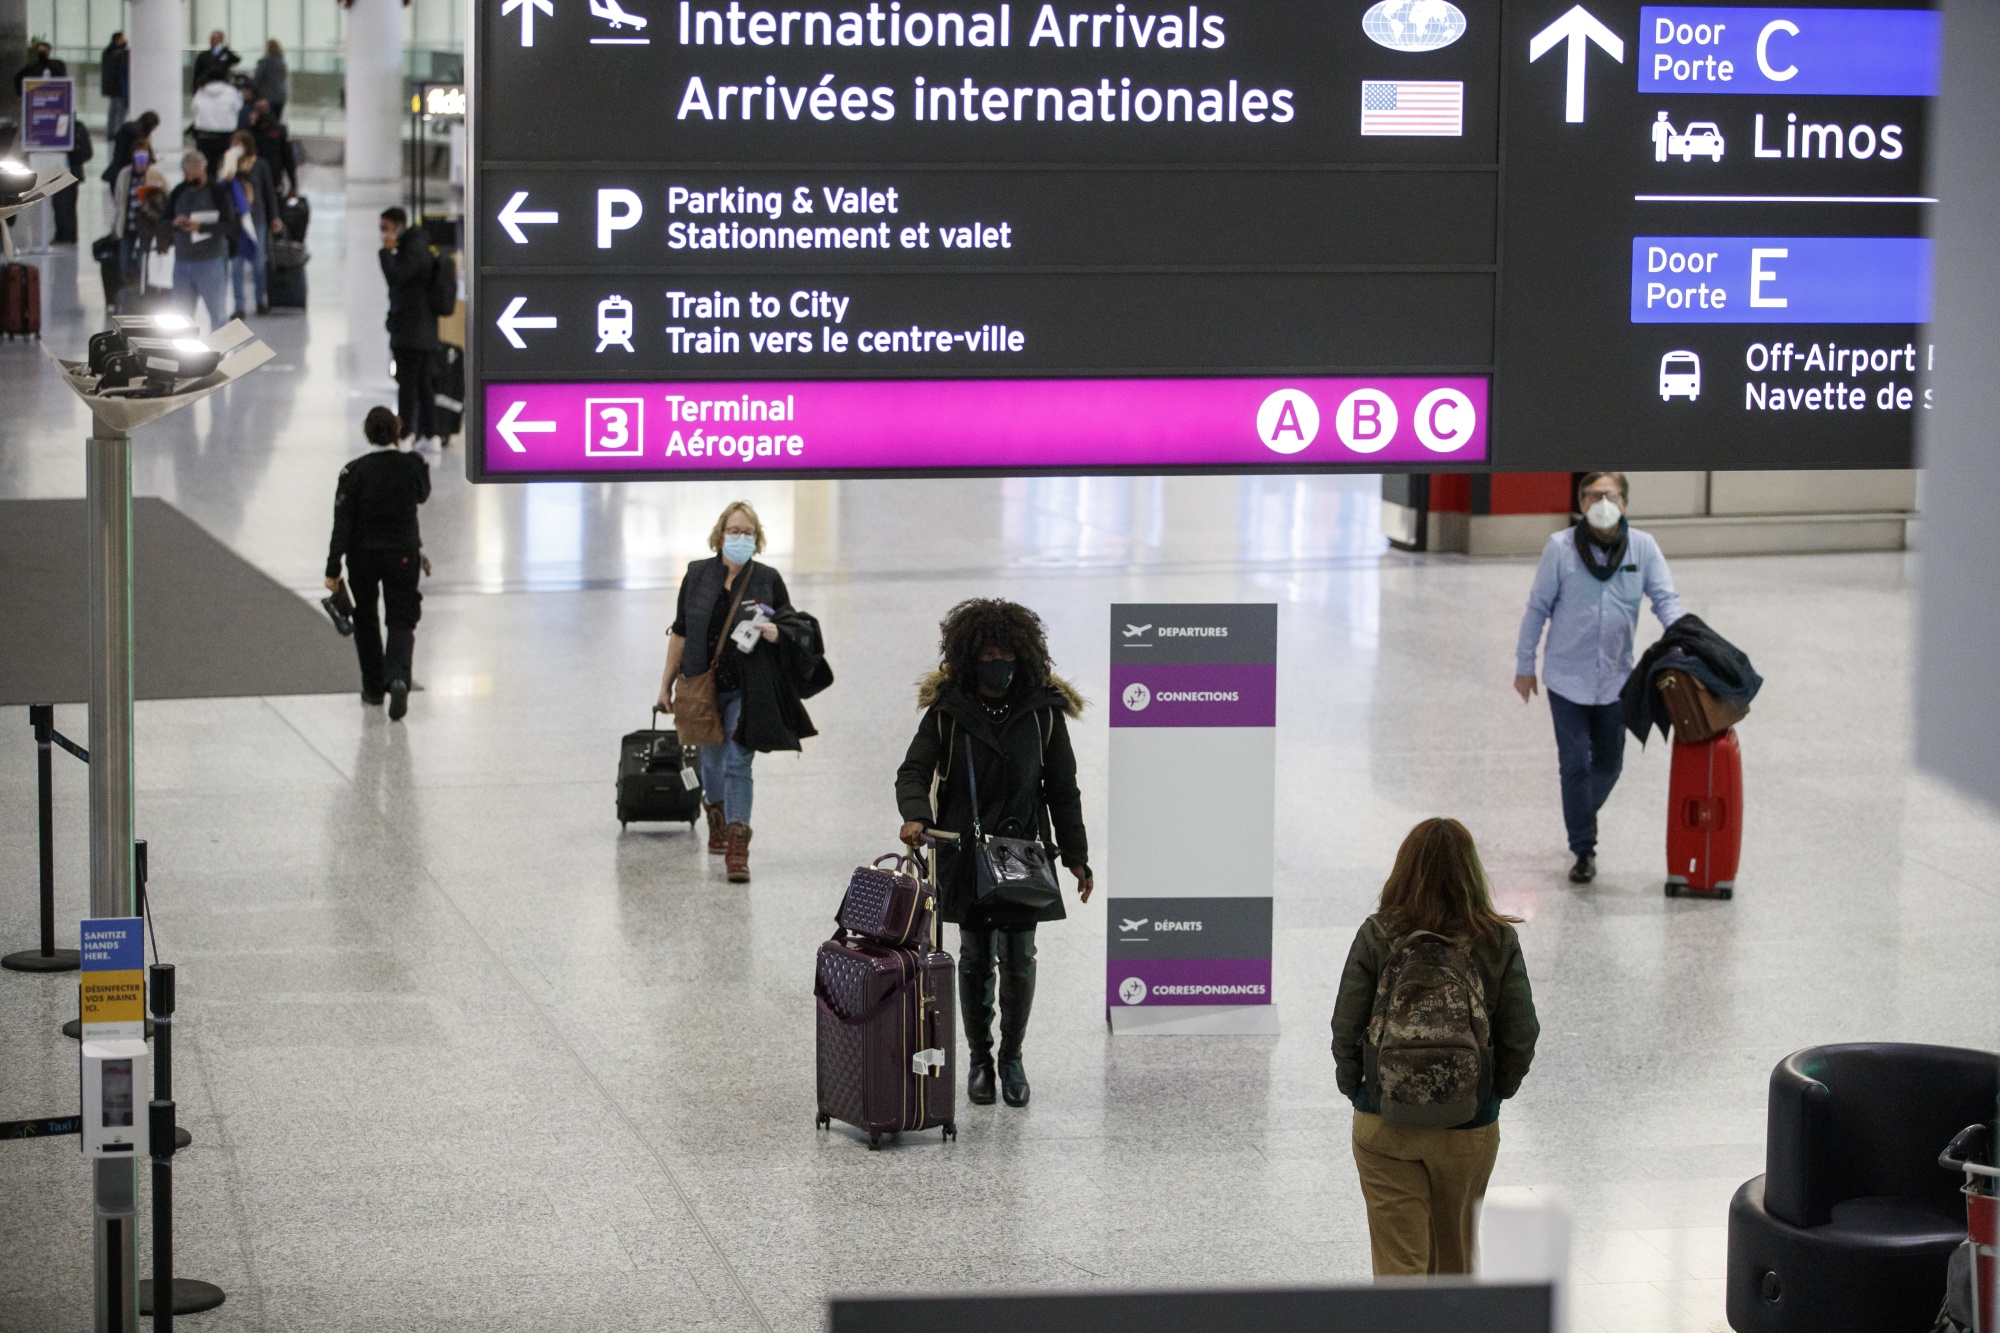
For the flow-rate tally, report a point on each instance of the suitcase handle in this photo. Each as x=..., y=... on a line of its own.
x=1709, y=812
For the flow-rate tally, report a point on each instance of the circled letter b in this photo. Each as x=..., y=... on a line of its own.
x=1366, y=421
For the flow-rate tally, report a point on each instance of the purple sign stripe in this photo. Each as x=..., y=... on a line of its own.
x=1194, y=694
x=942, y=425
x=1149, y=981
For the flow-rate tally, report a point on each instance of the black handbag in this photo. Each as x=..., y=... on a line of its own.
x=1016, y=872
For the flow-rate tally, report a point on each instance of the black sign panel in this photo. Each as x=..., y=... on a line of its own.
x=1293, y=234
x=1710, y=271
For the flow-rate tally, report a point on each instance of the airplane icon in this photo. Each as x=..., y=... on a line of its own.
x=1134, y=631
x=1127, y=927
x=608, y=9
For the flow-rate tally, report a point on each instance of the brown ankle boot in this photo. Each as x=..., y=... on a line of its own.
x=717, y=839
x=737, y=853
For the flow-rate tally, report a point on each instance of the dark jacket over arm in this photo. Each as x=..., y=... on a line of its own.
x=1510, y=1004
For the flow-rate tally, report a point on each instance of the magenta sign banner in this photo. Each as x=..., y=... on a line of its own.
x=1015, y=426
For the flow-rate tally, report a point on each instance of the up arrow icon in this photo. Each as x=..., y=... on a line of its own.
x=528, y=8
x=1576, y=27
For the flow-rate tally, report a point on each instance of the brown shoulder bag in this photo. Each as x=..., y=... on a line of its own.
x=697, y=719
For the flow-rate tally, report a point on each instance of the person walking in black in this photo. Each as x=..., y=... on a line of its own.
x=43, y=65
x=994, y=701
x=406, y=266
x=114, y=80
x=375, y=531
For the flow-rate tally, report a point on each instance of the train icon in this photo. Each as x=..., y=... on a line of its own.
x=614, y=323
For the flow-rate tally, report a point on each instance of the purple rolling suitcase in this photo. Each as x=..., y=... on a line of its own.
x=888, y=1039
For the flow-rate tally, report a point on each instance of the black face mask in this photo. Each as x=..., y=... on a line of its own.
x=995, y=677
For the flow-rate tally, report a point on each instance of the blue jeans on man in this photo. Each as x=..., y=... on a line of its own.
x=725, y=768
x=207, y=279
x=1590, y=750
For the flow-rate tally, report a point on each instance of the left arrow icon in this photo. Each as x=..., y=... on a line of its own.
x=528, y=8
x=512, y=428
x=512, y=218
x=511, y=321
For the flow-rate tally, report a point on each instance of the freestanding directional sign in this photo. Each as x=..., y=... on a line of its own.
x=1290, y=235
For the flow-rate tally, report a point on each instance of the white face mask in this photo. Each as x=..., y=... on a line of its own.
x=1604, y=514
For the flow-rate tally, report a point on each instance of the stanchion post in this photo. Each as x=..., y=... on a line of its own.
x=161, y=1130
x=46, y=958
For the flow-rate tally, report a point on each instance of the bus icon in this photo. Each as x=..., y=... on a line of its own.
x=1680, y=375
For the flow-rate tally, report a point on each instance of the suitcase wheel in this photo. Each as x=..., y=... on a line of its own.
x=950, y=1132
x=823, y=1121
x=874, y=1142
x=1726, y=891
x=621, y=826
x=1673, y=890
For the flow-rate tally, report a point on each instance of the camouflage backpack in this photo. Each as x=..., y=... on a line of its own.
x=1429, y=1049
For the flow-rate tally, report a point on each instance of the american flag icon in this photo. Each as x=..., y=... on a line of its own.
x=1412, y=106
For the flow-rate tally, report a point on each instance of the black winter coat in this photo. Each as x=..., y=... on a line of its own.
x=775, y=679
x=407, y=269
x=1688, y=645
x=1026, y=773
x=375, y=505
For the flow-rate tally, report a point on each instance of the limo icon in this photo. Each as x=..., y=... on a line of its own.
x=1680, y=376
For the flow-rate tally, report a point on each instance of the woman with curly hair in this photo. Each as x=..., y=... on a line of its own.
x=993, y=699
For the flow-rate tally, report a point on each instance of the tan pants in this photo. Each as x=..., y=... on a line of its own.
x=1423, y=1188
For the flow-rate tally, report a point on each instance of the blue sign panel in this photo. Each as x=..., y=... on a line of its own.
x=1781, y=280
x=1803, y=52
x=48, y=115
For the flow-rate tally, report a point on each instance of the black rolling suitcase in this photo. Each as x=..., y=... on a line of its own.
x=657, y=779
x=448, y=390
x=887, y=1041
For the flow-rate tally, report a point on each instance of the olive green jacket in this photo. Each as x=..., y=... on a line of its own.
x=1510, y=1007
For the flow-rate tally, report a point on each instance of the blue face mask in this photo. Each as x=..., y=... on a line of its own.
x=738, y=547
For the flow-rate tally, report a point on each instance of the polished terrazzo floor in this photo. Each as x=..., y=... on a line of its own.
x=458, y=1055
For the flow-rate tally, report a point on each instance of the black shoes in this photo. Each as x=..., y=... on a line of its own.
x=372, y=700
x=1013, y=1083
x=1585, y=869
x=979, y=1083
x=399, y=699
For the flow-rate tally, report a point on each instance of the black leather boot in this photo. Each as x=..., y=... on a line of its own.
x=1017, y=1001
x=975, y=1002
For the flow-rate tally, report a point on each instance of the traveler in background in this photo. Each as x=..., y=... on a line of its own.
x=216, y=61
x=715, y=596
x=406, y=266
x=205, y=226
x=994, y=693
x=274, y=146
x=63, y=202
x=216, y=106
x=114, y=79
x=256, y=203
x=272, y=80
x=139, y=213
x=1587, y=591
x=375, y=531
x=130, y=133
x=41, y=65
x=1435, y=924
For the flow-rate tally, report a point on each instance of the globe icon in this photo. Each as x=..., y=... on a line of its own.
x=1414, y=25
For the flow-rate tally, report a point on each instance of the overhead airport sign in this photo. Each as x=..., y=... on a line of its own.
x=1029, y=237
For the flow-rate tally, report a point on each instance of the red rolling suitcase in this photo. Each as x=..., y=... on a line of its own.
x=1705, y=817
x=20, y=300
x=887, y=1021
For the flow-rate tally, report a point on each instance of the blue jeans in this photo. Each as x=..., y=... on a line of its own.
x=207, y=279
x=725, y=768
x=1590, y=748
x=248, y=271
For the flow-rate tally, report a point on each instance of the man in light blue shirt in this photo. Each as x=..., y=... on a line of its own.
x=1587, y=591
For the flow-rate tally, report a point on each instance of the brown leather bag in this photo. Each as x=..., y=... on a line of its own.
x=1697, y=715
x=697, y=718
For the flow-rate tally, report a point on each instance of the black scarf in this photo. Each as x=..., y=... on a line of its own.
x=1587, y=540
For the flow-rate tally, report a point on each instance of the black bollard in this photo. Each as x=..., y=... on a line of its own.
x=191, y=1296
x=160, y=991
x=47, y=958
x=160, y=1129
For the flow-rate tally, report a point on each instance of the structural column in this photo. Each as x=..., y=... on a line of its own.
x=108, y=482
x=158, y=32
x=374, y=91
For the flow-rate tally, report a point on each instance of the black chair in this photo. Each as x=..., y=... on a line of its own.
x=1851, y=1225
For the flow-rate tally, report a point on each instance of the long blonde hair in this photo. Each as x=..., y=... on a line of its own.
x=1438, y=884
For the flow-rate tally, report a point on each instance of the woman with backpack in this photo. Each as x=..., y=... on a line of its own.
x=992, y=755
x=1434, y=1026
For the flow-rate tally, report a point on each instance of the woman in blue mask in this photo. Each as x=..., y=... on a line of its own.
x=996, y=722
x=728, y=611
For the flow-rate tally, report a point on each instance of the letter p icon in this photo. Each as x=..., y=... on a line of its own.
x=617, y=210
